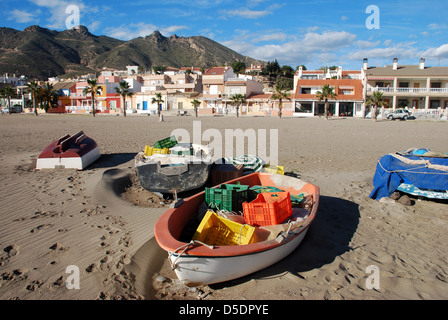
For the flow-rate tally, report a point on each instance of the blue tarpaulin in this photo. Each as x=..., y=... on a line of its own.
x=429, y=173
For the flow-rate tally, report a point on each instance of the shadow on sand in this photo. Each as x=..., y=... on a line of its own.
x=329, y=236
x=112, y=160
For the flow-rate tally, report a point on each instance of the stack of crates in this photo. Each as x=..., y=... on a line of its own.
x=229, y=197
x=218, y=231
x=166, y=143
x=268, y=209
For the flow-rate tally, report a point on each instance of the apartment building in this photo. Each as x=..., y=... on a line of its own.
x=347, y=86
x=412, y=86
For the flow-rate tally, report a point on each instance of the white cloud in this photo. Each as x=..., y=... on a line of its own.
x=251, y=14
x=56, y=11
x=279, y=36
x=440, y=52
x=135, y=30
x=366, y=44
x=313, y=47
x=22, y=16
x=435, y=26
x=246, y=13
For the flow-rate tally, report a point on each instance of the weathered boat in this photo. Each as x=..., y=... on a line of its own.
x=418, y=172
x=174, y=173
x=71, y=152
x=196, y=263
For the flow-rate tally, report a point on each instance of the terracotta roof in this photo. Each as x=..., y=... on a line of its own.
x=260, y=96
x=216, y=71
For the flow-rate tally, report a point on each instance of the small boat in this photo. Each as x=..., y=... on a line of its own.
x=196, y=263
x=174, y=173
x=419, y=172
x=70, y=152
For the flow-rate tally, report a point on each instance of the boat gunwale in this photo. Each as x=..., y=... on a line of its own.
x=168, y=242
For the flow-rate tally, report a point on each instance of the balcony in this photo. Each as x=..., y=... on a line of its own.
x=434, y=91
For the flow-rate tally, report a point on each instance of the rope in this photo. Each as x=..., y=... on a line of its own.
x=185, y=247
x=424, y=163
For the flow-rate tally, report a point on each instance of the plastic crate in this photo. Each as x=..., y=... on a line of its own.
x=150, y=151
x=274, y=169
x=295, y=199
x=217, y=231
x=229, y=197
x=182, y=151
x=166, y=143
x=268, y=209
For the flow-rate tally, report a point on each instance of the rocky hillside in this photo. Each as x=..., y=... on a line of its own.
x=39, y=52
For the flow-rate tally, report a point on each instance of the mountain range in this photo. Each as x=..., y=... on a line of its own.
x=41, y=53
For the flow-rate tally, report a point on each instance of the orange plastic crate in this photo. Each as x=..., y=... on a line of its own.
x=268, y=209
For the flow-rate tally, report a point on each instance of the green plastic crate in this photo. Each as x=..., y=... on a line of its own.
x=166, y=143
x=229, y=197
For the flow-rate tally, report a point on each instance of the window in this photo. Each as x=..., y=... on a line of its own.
x=347, y=91
x=180, y=105
x=403, y=84
x=310, y=77
x=305, y=90
x=436, y=85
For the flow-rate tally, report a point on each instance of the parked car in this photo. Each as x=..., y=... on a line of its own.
x=398, y=114
x=15, y=109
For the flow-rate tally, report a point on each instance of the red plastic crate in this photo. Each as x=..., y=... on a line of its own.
x=268, y=209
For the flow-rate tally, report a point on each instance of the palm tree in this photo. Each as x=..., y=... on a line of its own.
x=33, y=87
x=48, y=96
x=326, y=93
x=238, y=99
x=93, y=89
x=158, y=100
x=377, y=101
x=195, y=104
x=124, y=92
x=280, y=94
x=7, y=92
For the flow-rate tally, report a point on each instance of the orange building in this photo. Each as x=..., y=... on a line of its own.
x=346, y=84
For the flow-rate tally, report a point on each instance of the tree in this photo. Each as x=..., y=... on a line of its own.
x=7, y=92
x=158, y=100
x=33, y=87
x=124, y=92
x=93, y=89
x=280, y=95
x=377, y=101
x=48, y=96
x=326, y=93
x=238, y=99
x=239, y=67
x=196, y=103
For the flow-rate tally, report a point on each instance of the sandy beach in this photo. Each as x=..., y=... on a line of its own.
x=100, y=221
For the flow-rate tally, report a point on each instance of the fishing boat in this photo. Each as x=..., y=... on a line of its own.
x=197, y=263
x=70, y=152
x=416, y=171
x=174, y=172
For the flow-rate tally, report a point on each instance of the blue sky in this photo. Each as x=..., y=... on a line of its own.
x=313, y=33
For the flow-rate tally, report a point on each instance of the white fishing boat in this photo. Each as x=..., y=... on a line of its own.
x=198, y=263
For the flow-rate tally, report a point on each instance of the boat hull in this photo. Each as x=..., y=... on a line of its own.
x=157, y=178
x=197, y=270
x=199, y=264
x=69, y=152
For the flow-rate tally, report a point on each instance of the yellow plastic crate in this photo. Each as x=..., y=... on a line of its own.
x=150, y=151
x=217, y=231
x=274, y=169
